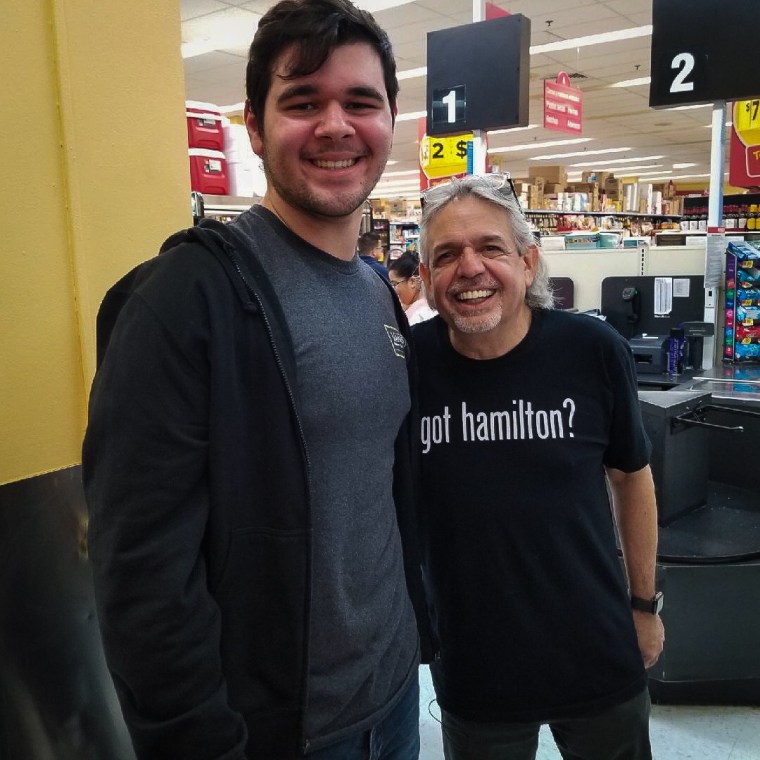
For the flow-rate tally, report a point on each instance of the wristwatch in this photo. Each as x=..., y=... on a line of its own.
x=653, y=605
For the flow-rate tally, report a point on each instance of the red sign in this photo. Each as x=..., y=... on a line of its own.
x=563, y=106
x=744, y=161
x=493, y=11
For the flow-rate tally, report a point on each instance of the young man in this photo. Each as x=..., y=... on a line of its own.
x=527, y=414
x=250, y=516
x=370, y=251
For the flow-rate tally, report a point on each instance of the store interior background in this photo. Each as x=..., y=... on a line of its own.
x=96, y=175
x=621, y=135
x=653, y=145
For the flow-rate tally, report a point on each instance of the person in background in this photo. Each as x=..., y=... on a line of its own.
x=404, y=273
x=252, y=534
x=371, y=251
x=528, y=415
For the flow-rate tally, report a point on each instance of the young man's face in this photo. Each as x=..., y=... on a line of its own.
x=476, y=277
x=326, y=136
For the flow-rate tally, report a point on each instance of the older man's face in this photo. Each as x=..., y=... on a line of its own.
x=477, y=279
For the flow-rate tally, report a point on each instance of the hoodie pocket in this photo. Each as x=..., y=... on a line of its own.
x=263, y=599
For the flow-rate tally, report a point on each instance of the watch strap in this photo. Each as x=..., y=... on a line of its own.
x=652, y=606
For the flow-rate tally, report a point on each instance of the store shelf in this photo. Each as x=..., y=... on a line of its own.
x=633, y=214
x=227, y=205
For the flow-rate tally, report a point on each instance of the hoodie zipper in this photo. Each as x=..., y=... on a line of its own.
x=254, y=296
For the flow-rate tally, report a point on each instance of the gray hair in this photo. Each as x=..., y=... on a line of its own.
x=495, y=189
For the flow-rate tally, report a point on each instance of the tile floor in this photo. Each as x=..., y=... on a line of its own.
x=678, y=732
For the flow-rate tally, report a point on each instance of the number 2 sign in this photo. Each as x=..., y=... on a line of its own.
x=693, y=62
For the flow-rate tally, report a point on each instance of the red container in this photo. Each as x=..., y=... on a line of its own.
x=208, y=172
x=204, y=125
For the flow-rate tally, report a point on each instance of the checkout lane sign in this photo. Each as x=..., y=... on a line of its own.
x=563, y=105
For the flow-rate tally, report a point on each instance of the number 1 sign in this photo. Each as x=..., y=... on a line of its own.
x=704, y=51
x=478, y=76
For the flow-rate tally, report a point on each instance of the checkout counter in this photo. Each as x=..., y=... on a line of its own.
x=705, y=436
x=704, y=425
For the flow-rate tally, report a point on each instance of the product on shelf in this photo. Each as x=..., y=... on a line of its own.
x=205, y=139
x=208, y=171
x=742, y=313
x=204, y=125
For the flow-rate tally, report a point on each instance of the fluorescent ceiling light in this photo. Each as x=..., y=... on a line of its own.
x=511, y=129
x=683, y=176
x=540, y=145
x=633, y=82
x=648, y=174
x=620, y=161
x=579, y=153
x=688, y=108
x=232, y=34
x=411, y=116
x=575, y=42
x=683, y=166
x=613, y=169
x=593, y=39
x=412, y=73
x=227, y=29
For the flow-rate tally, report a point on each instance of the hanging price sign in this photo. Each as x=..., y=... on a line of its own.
x=444, y=156
x=563, y=105
x=744, y=167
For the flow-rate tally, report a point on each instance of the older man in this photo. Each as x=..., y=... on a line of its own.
x=527, y=416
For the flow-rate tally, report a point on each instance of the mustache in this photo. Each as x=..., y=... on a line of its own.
x=477, y=283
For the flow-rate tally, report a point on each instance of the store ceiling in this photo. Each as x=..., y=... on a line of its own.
x=612, y=117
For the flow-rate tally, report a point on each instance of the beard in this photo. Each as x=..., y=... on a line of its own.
x=477, y=324
x=330, y=204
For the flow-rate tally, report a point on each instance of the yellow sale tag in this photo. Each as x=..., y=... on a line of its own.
x=747, y=121
x=444, y=156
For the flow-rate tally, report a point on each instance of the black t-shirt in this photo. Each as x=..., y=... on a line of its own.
x=528, y=592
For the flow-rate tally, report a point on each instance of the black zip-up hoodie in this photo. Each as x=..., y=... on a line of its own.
x=197, y=481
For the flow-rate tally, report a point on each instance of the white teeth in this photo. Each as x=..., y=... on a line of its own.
x=335, y=164
x=471, y=295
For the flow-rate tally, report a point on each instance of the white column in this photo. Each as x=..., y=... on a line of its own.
x=479, y=151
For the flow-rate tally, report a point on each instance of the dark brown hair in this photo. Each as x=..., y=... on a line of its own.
x=315, y=28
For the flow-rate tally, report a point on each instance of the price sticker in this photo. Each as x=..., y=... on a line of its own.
x=444, y=156
x=747, y=118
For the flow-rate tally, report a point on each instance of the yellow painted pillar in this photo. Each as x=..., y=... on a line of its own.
x=94, y=177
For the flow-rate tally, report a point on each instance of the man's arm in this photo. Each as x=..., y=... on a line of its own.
x=145, y=476
x=635, y=510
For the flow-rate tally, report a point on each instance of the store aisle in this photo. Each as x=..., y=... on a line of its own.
x=678, y=732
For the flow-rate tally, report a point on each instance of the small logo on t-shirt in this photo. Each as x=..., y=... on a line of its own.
x=398, y=341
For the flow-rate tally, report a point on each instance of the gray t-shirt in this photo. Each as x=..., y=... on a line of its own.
x=353, y=392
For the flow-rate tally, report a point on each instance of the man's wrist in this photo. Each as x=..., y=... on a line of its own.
x=652, y=605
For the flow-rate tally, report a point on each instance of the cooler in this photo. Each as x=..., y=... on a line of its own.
x=208, y=172
x=204, y=125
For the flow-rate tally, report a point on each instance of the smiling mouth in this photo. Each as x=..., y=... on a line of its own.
x=345, y=164
x=474, y=295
